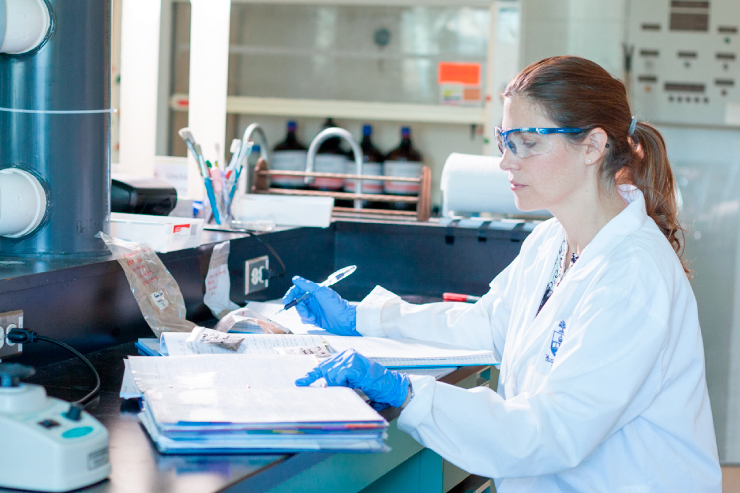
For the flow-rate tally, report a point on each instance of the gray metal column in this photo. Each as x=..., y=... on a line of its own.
x=69, y=153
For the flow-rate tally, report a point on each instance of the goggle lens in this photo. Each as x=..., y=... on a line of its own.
x=523, y=144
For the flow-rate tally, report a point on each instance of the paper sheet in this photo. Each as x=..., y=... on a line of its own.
x=401, y=353
x=218, y=283
x=437, y=373
x=177, y=343
x=129, y=390
x=289, y=406
x=318, y=351
x=219, y=372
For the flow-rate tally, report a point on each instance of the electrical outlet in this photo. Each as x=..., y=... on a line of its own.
x=256, y=274
x=8, y=321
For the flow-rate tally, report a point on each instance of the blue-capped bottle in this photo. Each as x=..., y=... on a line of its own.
x=403, y=161
x=372, y=164
x=289, y=155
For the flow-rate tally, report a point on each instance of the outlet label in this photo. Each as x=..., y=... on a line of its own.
x=9, y=321
x=256, y=274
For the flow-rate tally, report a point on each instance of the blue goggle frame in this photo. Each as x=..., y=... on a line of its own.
x=503, y=143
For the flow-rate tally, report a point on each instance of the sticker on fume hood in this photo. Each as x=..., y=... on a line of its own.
x=159, y=300
x=181, y=231
x=460, y=83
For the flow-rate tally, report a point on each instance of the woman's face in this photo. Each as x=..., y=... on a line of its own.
x=543, y=181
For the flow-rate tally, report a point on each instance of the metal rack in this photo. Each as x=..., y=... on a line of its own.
x=423, y=201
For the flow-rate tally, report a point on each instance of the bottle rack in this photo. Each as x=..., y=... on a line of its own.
x=423, y=201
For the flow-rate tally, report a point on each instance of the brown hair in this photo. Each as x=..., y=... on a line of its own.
x=575, y=92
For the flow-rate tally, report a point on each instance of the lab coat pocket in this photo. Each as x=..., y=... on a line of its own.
x=549, y=351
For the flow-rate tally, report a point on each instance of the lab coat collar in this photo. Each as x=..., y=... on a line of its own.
x=631, y=219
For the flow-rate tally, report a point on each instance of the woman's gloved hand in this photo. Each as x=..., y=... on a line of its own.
x=325, y=309
x=351, y=369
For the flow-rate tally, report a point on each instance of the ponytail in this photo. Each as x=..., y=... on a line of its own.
x=650, y=171
x=575, y=92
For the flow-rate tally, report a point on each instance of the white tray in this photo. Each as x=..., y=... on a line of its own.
x=284, y=210
x=162, y=233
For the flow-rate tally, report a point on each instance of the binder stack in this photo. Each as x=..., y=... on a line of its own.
x=261, y=420
x=248, y=403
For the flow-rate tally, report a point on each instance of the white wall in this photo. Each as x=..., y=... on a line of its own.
x=707, y=165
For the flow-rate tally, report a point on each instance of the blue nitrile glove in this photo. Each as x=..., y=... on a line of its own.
x=325, y=308
x=351, y=369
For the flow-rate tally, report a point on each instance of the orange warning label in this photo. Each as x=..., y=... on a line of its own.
x=472, y=94
x=468, y=74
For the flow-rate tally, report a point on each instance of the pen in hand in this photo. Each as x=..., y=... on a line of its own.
x=330, y=281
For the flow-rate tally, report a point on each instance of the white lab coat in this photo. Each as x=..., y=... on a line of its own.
x=603, y=391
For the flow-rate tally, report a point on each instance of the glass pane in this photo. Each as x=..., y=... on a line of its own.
x=359, y=53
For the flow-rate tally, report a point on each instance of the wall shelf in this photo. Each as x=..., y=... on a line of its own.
x=372, y=3
x=353, y=110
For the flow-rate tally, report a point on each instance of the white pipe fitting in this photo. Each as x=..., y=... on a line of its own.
x=24, y=24
x=22, y=202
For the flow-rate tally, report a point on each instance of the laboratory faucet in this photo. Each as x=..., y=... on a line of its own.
x=243, y=186
x=256, y=127
x=343, y=134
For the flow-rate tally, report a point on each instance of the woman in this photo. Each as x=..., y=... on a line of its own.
x=602, y=384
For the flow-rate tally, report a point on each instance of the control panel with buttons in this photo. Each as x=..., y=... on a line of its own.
x=686, y=61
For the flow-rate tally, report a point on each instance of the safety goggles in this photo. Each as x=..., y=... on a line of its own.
x=529, y=141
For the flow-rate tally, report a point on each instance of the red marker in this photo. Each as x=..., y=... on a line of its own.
x=466, y=298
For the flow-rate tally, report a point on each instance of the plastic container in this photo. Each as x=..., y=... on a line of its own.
x=162, y=233
x=284, y=210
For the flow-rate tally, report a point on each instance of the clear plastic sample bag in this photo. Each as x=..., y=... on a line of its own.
x=154, y=288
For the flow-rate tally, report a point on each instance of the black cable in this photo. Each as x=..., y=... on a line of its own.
x=94, y=392
x=272, y=251
x=25, y=336
x=265, y=244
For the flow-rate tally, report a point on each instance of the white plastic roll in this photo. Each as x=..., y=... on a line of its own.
x=473, y=184
x=27, y=22
x=22, y=202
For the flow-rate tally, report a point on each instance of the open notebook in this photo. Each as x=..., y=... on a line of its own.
x=396, y=353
